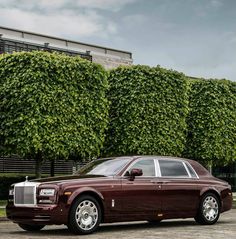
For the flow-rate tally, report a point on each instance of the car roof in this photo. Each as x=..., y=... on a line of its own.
x=200, y=170
x=148, y=157
x=158, y=157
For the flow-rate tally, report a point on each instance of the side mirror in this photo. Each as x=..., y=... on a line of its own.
x=135, y=172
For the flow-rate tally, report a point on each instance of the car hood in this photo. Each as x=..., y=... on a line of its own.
x=61, y=179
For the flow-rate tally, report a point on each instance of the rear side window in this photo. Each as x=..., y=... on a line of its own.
x=171, y=168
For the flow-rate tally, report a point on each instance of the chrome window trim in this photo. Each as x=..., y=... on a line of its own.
x=137, y=160
x=186, y=168
x=158, y=169
x=187, y=163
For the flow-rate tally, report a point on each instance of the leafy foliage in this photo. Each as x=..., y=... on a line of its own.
x=52, y=104
x=212, y=122
x=55, y=106
x=148, y=111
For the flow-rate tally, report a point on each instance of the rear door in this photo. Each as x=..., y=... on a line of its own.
x=179, y=188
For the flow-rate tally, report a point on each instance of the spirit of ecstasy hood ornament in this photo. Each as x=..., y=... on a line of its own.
x=26, y=178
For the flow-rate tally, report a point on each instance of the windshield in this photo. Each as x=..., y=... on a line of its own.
x=106, y=167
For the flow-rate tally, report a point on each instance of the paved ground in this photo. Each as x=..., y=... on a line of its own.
x=175, y=229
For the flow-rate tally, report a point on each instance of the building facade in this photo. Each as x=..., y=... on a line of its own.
x=13, y=40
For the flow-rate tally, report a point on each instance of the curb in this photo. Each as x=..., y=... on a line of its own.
x=3, y=219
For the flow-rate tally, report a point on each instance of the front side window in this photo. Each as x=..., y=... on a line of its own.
x=171, y=168
x=147, y=166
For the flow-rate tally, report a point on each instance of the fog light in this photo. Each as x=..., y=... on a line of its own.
x=46, y=201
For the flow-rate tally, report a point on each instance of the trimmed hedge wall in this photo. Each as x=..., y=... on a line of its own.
x=57, y=106
x=147, y=112
x=52, y=104
x=212, y=122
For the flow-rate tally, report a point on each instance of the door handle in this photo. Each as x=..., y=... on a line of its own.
x=158, y=182
x=129, y=183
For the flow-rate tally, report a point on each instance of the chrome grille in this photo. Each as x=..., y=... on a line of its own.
x=25, y=195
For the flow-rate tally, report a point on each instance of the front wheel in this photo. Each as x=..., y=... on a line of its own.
x=85, y=215
x=31, y=228
x=209, y=210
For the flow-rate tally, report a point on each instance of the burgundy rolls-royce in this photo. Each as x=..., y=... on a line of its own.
x=132, y=188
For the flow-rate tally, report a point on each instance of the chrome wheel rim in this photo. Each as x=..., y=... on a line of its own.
x=86, y=215
x=210, y=208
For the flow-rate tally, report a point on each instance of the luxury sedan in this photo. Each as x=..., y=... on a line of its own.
x=133, y=188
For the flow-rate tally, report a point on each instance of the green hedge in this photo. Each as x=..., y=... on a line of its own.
x=147, y=112
x=212, y=122
x=53, y=104
x=57, y=106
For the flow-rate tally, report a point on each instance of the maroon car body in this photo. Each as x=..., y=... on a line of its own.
x=166, y=188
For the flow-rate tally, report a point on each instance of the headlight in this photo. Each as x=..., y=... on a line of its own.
x=47, y=192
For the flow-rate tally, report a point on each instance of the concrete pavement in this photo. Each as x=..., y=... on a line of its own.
x=171, y=229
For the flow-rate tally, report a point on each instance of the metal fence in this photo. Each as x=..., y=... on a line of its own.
x=10, y=46
x=18, y=166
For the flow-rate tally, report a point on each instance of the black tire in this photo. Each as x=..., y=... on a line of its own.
x=88, y=215
x=31, y=228
x=205, y=215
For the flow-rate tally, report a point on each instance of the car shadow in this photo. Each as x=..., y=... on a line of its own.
x=115, y=227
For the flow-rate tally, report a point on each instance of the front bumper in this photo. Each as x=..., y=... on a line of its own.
x=40, y=214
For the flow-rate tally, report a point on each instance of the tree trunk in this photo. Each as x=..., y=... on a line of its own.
x=52, y=168
x=38, y=166
x=234, y=175
x=210, y=167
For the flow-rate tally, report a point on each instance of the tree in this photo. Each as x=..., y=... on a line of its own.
x=147, y=112
x=51, y=106
x=212, y=122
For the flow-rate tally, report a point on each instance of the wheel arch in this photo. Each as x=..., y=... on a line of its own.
x=90, y=192
x=213, y=191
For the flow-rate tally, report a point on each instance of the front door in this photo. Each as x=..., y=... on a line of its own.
x=140, y=197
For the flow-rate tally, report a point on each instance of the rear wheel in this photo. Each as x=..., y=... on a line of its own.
x=209, y=210
x=31, y=228
x=85, y=215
